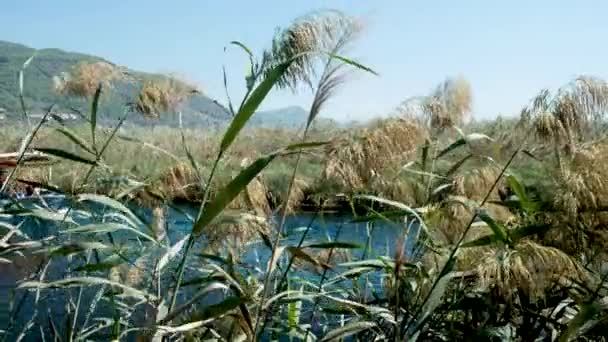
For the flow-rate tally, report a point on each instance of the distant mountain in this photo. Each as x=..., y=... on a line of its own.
x=288, y=117
x=199, y=110
x=39, y=93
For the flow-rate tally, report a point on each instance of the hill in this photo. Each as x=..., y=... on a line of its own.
x=47, y=63
x=39, y=93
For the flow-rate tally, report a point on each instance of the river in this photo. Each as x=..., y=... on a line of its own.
x=374, y=238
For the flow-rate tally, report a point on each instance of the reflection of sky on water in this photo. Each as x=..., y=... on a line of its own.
x=375, y=239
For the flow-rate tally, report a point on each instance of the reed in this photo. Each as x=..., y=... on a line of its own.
x=510, y=243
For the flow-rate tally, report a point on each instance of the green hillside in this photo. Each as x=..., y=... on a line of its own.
x=39, y=93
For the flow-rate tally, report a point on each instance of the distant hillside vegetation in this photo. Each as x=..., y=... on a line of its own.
x=39, y=93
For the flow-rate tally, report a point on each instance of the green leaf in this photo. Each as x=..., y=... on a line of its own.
x=74, y=138
x=351, y=273
x=76, y=247
x=514, y=235
x=334, y=244
x=383, y=216
x=229, y=193
x=499, y=231
x=215, y=258
x=171, y=253
x=66, y=155
x=107, y=228
x=101, y=266
x=581, y=322
x=305, y=145
x=520, y=191
x=373, y=263
x=94, y=108
x=87, y=281
x=397, y=205
x=347, y=330
x=482, y=241
x=242, y=46
x=457, y=165
x=294, y=310
x=111, y=203
x=252, y=104
x=458, y=143
x=43, y=214
x=353, y=63
x=40, y=185
x=219, y=309
x=528, y=230
x=435, y=298
x=22, y=71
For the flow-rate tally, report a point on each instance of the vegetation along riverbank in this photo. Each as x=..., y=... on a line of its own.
x=498, y=227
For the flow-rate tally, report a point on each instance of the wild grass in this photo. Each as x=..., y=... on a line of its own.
x=507, y=218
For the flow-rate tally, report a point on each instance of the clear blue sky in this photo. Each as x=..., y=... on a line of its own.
x=508, y=50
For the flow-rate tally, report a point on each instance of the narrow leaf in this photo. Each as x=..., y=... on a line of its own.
x=458, y=143
x=581, y=322
x=94, y=108
x=243, y=46
x=111, y=203
x=353, y=63
x=40, y=185
x=499, y=231
x=334, y=244
x=101, y=266
x=107, y=228
x=229, y=192
x=457, y=165
x=347, y=330
x=66, y=155
x=87, y=281
x=252, y=104
x=74, y=138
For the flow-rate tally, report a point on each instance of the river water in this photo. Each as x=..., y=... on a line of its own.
x=375, y=239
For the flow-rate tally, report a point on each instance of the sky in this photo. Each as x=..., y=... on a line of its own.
x=508, y=50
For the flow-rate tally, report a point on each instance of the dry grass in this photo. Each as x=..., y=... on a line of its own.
x=530, y=267
x=162, y=96
x=180, y=182
x=475, y=183
x=234, y=230
x=569, y=114
x=326, y=257
x=83, y=78
x=306, y=41
x=448, y=105
x=374, y=155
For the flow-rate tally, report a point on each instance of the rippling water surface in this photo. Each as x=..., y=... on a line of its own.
x=380, y=239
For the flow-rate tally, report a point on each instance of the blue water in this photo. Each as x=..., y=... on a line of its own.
x=374, y=238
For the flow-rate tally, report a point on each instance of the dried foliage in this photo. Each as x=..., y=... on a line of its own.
x=570, y=113
x=325, y=257
x=475, y=183
x=529, y=267
x=584, y=181
x=306, y=41
x=234, y=230
x=162, y=96
x=446, y=106
x=373, y=154
x=253, y=199
x=181, y=182
x=83, y=79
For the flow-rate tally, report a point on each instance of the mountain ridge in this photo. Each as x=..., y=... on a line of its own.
x=49, y=62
